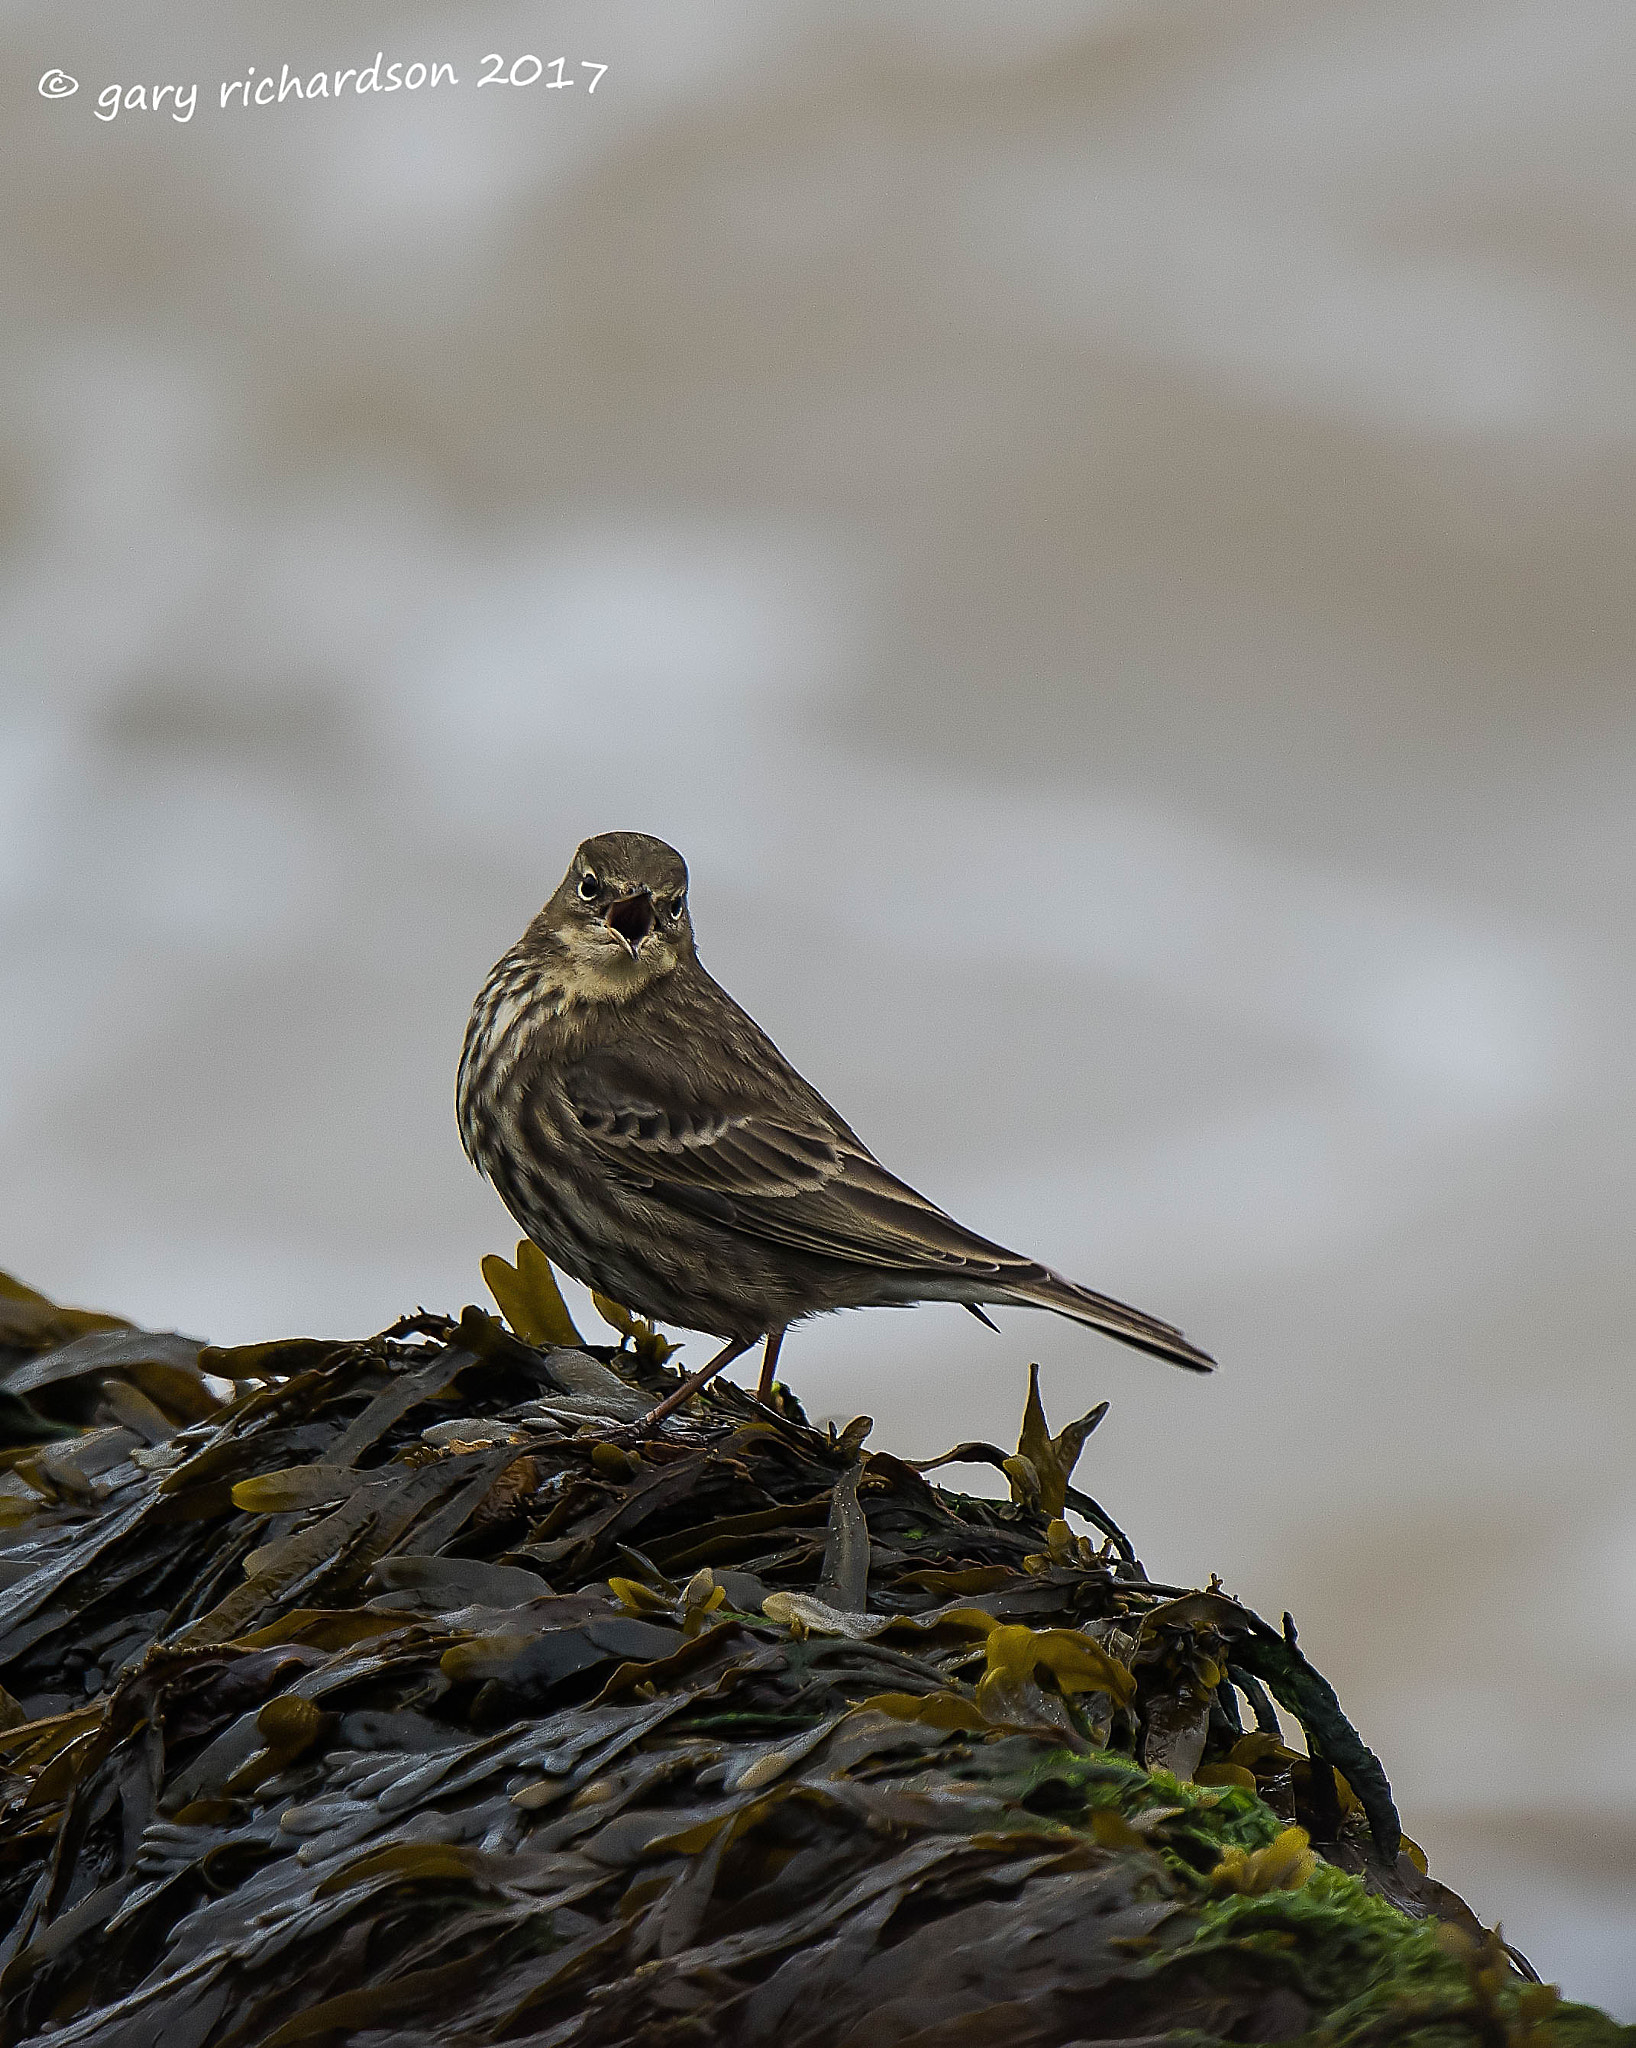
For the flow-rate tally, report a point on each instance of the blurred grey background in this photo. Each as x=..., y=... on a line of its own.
x=1102, y=531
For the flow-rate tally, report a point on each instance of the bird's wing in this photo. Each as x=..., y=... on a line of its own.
x=771, y=1172
x=782, y=1171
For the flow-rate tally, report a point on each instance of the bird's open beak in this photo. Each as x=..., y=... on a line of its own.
x=632, y=918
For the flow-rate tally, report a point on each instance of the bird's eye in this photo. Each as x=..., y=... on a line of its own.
x=677, y=905
x=588, y=885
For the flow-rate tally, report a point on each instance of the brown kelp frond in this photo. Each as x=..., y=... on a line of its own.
x=417, y=1693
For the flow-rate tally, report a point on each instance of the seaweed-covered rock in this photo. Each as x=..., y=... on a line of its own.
x=420, y=1694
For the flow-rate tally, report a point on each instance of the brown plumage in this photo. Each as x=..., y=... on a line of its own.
x=653, y=1141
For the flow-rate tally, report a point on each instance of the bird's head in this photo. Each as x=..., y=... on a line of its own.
x=619, y=917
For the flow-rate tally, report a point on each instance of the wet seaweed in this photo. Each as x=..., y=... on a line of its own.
x=412, y=1691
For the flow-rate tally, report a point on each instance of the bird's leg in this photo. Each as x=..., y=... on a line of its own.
x=734, y=1348
x=769, y=1358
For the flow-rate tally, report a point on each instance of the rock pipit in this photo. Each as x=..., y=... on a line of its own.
x=652, y=1140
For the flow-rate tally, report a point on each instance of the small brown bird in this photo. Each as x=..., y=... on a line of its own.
x=652, y=1140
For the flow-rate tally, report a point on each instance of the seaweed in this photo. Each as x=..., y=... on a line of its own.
x=418, y=1692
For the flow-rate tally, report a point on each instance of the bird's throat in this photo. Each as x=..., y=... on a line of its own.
x=595, y=971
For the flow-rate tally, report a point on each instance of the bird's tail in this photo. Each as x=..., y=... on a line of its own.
x=1113, y=1318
